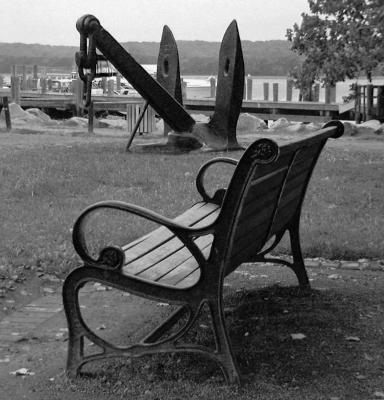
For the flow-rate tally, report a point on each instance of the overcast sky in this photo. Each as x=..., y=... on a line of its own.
x=53, y=22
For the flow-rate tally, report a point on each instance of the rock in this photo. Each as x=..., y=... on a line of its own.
x=298, y=336
x=350, y=129
x=200, y=118
x=298, y=127
x=39, y=114
x=350, y=265
x=372, y=123
x=76, y=121
x=352, y=338
x=368, y=127
x=313, y=126
x=380, y=130
x=19, y=115
x=15, y=110
x=250, y=123
x=160, y=125
x=114, y=123
x=100, y=124
x=22, y=371
x=280, y=124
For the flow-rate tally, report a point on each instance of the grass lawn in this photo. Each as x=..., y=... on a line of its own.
x=44, y=188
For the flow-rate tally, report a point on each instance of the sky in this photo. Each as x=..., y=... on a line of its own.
x=53, y=22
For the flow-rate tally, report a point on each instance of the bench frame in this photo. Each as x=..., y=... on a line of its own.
x=209, y=288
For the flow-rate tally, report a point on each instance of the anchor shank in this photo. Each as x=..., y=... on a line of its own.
x=173, y=113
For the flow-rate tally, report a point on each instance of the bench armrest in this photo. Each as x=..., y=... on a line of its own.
x=114, y=256
x=219, y=194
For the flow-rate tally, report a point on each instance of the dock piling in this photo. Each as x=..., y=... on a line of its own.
x=249, y=87
x=275, y=91
x=289, y=89
x=266, y=90
x=91, y=115
x=7, y=114
x=212, y=82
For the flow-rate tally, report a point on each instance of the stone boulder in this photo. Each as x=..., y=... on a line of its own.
x=250, y=123
x=368, y=127
x=350, y=128
x=81, y=122
x=279, y=124
x=160, y=125
x=39, y=114
x=313, y=126
x=200, y=117
x=380, y=130
x=297, y=127
x=76, y=122
x=115, y=123
x=18, y=115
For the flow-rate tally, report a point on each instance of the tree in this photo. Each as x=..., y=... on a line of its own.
x=340, y=38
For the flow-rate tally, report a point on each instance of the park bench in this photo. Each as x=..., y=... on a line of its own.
x=185, y=261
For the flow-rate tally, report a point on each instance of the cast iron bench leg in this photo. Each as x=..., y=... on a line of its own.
x=75, y=326
x=298, y=265
x=224, y=351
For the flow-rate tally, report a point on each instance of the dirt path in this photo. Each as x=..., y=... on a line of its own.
x=120, y=317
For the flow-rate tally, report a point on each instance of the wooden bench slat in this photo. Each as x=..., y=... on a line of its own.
x=162, y=230
x=254, y=224
x=296, y=181
x=162, y=252
x=307, y=153
x=285, y=213
x=282, y=162
x=246, y=242
x=272, y=179
x=188, y=217
x=247, y=247
x=159, y=270
x=184, y=270
x=189, y=280
x=160, y=236
x=259, y=204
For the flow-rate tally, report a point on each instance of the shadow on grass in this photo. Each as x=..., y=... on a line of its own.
x=260, y=324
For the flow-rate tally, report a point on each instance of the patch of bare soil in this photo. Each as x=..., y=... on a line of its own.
x=289, y=345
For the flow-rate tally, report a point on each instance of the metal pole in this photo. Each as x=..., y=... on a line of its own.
x=7, y=114
x=136, y=127
x=90, y=118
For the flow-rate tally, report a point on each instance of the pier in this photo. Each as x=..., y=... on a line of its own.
x=45, y=92
x=264, y=109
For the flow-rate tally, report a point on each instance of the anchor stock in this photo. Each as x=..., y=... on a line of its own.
x=164, y=95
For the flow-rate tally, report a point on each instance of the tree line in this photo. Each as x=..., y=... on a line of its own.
x=338, y=39
x=272, y=57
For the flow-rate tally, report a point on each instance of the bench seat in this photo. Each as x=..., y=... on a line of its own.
x=161, y=257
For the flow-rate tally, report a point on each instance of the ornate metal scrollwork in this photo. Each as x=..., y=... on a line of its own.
x=111, y=257
x=265, y=151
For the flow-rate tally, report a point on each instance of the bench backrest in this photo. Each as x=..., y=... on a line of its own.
x=266, y=193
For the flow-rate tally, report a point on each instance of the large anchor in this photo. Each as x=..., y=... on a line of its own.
x=164, y=95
